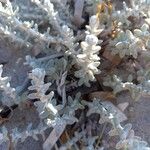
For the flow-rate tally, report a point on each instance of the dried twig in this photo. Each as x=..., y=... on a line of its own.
x=78, y=20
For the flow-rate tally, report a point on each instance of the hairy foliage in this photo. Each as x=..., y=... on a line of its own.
x=66, y=56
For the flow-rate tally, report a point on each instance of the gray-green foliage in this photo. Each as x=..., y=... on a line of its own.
x=126, y=44
x=136, y=90
x=72, y=55
x=9, y=94
x=127, y=138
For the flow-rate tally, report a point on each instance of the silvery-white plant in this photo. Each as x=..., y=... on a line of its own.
x=65, y=33
x=138, y=10
x=122, y=15
x=62, y=36
x=12, y=27
x=9, y=94
x=136, y=90
x=88, y=60
x=52, y=15
x=15, y=135
x=144, y=34
x=126, y=44
x=127, y=138
x=44, y=106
